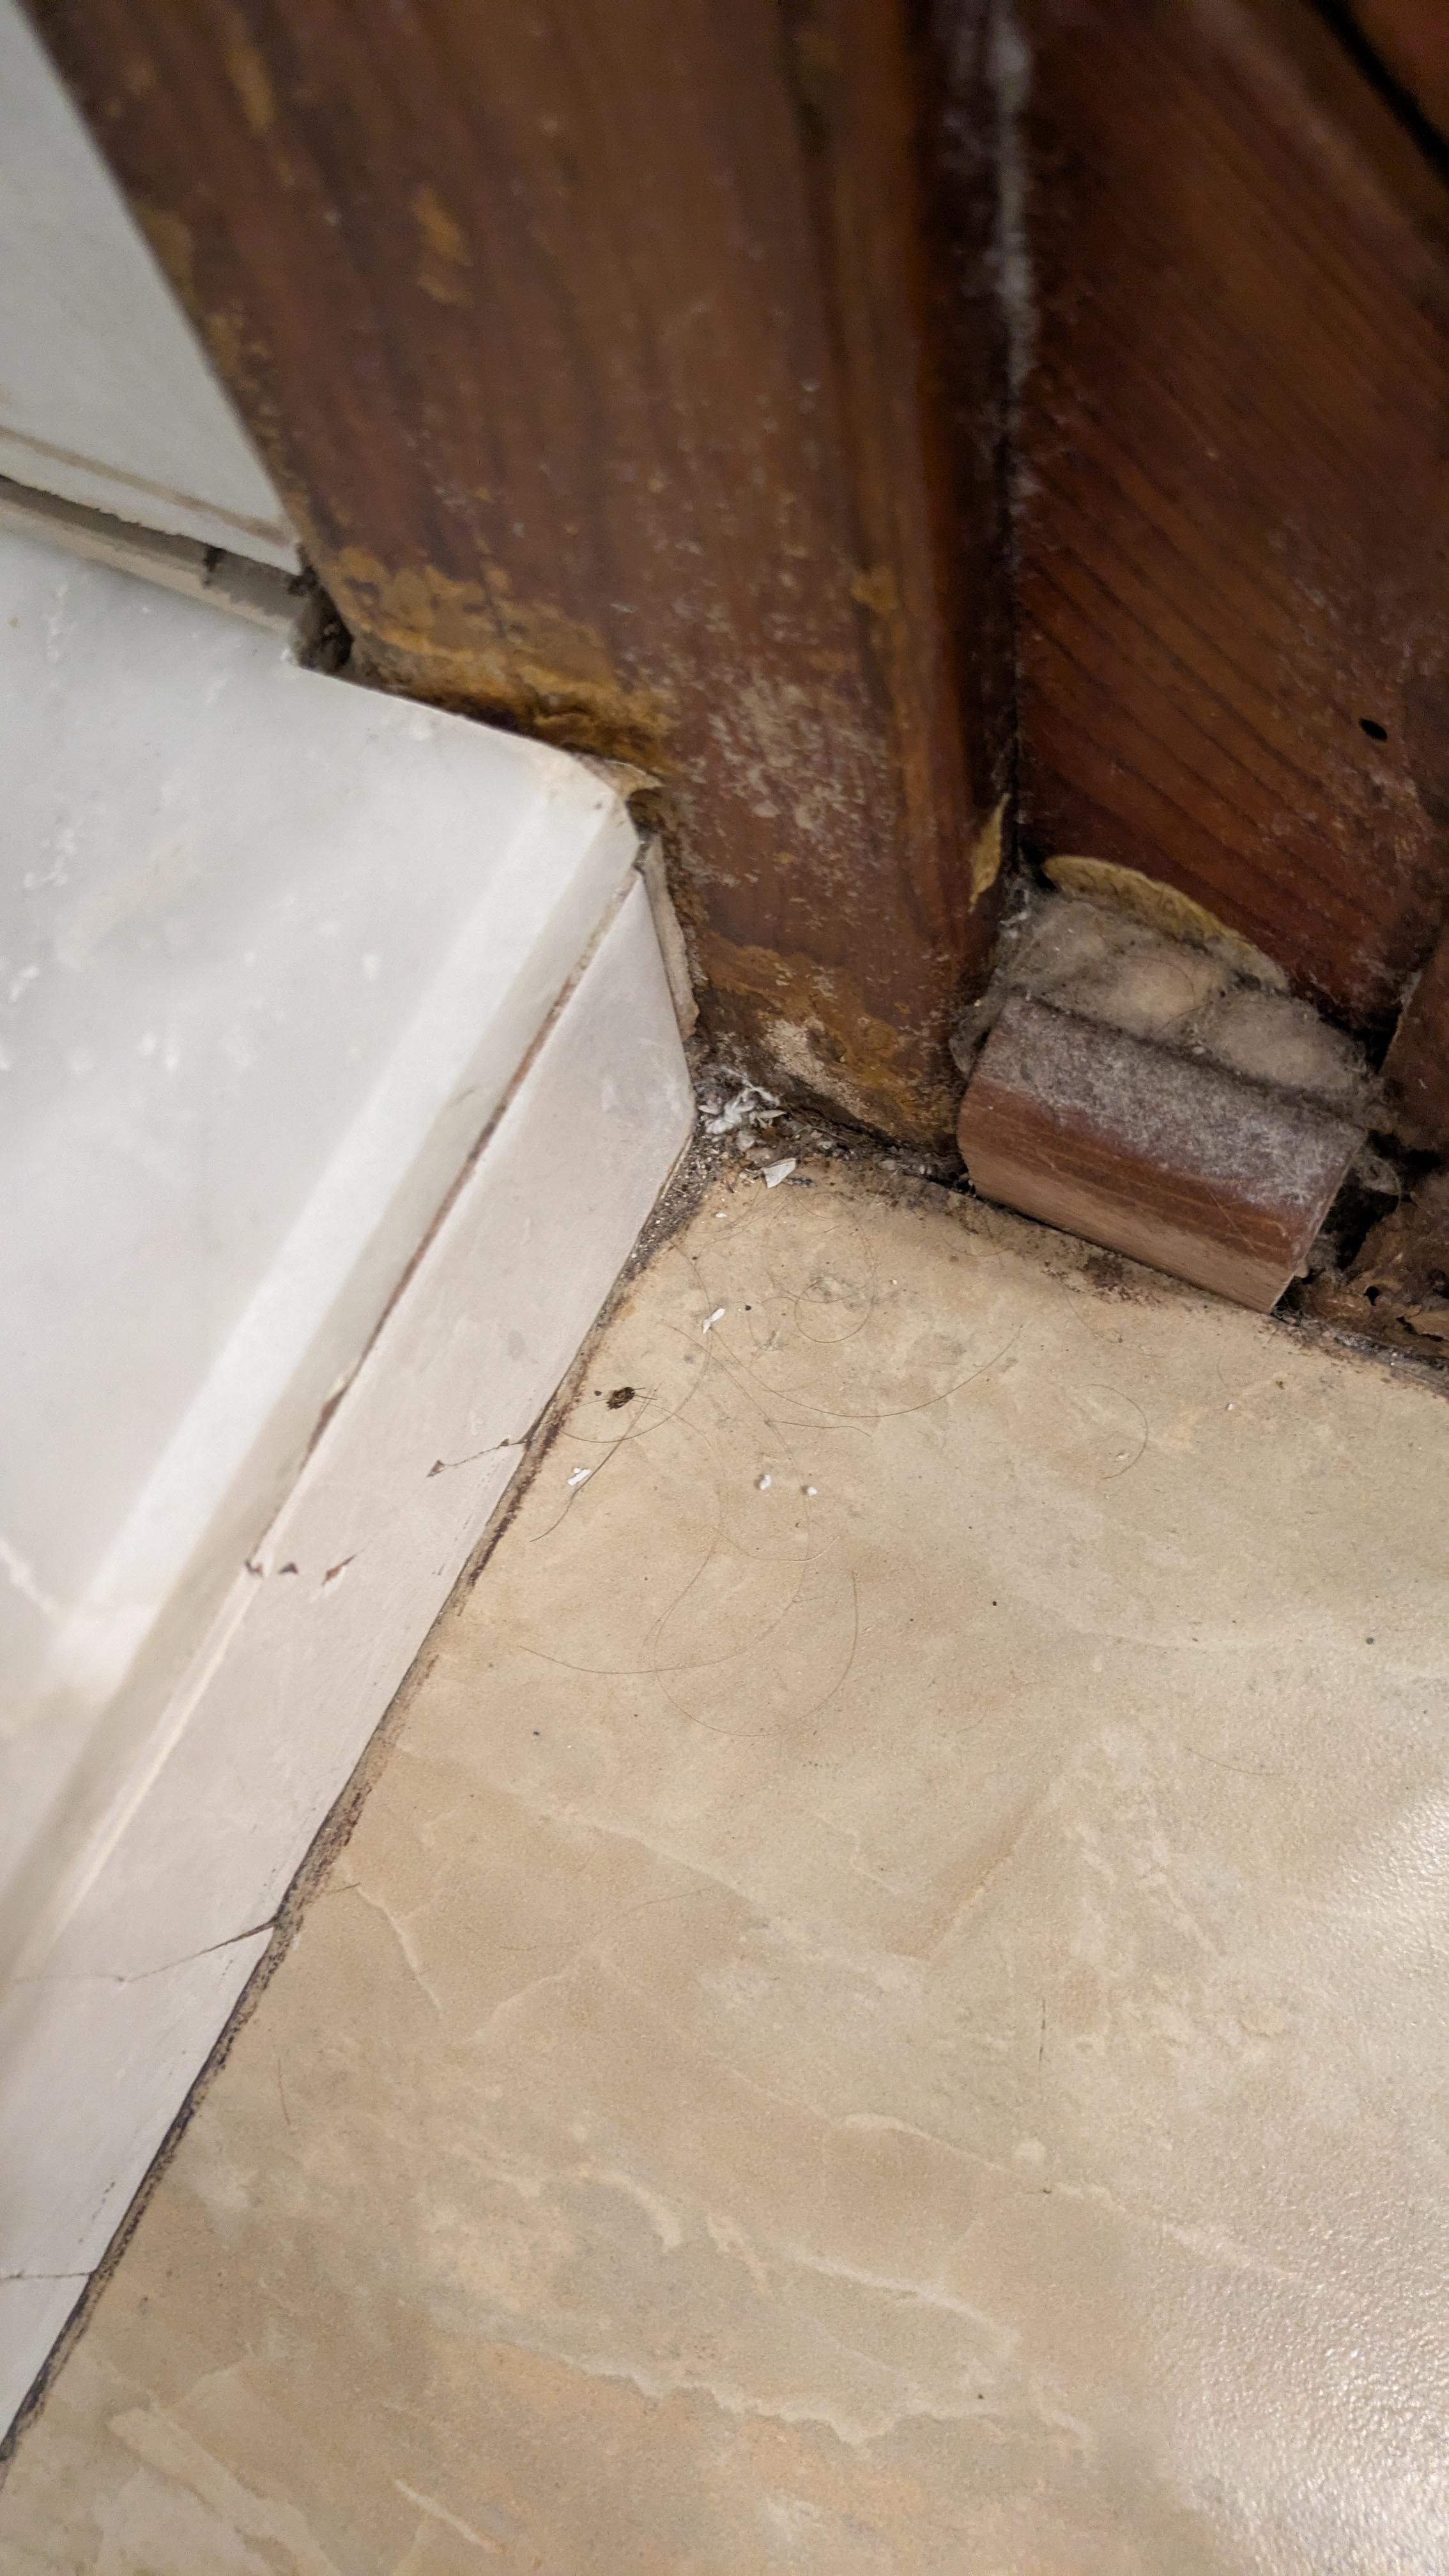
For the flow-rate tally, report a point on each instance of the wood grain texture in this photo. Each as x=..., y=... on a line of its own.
x=596, y=346
x=1234, y=510
x=1166, y=1157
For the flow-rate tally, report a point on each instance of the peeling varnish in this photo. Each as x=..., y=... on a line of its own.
x=878, y=590
x=986, y=852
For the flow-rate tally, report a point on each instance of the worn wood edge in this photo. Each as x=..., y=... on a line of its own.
x=1324, y=46
x=1416, y=1068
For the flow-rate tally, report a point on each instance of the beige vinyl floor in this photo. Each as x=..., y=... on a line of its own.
x=888, y=2006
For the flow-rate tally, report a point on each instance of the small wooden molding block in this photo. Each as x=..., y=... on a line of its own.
x=1175, y=1161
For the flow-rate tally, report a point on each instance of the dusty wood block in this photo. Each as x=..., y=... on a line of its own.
x=1177, y=1162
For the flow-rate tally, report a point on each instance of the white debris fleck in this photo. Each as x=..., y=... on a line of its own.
x=763, y=1484
x=715, y=1318
x=775, y=1173
x=812, y=1489
x=748, y=1106
x=580, y=1475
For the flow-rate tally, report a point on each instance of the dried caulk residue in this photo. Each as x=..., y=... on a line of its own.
x=986, y=854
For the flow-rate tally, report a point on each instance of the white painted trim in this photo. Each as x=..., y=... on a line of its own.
x=354, y=917
x=115, y=2017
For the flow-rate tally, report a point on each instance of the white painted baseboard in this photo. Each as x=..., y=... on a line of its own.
x=339, y=1070
x=101, y=2036
x=272, y=951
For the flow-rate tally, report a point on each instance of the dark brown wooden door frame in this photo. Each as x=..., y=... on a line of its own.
x=630, y=369
x=637, y=372
x=1233, y=598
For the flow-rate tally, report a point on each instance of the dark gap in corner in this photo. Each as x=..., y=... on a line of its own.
x=1401, y=102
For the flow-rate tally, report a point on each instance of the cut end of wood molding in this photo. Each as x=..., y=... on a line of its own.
x=1176, y=1162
